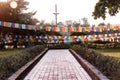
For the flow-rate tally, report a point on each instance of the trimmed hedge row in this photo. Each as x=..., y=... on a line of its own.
x=109, y=66
x=58, y=46
x=10, y=64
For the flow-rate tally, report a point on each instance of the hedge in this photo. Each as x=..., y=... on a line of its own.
x=10, y=64
x=109, y=66
x=58, y=46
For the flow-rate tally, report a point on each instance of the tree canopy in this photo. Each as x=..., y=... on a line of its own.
x=18, y=14
x=103, y=7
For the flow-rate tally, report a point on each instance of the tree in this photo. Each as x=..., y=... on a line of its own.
x=27, y=18
x=101, y=24
x=106, y=6
x=18, y=14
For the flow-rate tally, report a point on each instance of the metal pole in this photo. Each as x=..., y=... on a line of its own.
x=56, y=13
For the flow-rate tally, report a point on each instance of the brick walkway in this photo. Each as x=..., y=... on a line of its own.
x=58, y=65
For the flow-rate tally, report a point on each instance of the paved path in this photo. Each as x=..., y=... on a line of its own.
x=58, y=65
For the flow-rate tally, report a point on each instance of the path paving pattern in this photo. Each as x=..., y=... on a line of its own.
x=58, y=65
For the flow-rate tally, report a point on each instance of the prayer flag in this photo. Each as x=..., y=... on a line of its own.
x=37, y=28
x=5, y=24
x=56, y=29
x=27, y=27
x=9, y=24
x=48, y=28
x=20, y=26
x=34, y=27
x=16, y=25
x=87, y=28
x=83, y=29
x=1, y=23
x=13, y=25
x=79, y=29
x=23, y=26
x=71, y=29
x=63, y=29
x=30, y=27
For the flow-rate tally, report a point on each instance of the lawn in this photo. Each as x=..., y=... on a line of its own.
x=7, y=52
x=109, y=52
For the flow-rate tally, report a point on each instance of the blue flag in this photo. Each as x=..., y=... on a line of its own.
x=1, y=23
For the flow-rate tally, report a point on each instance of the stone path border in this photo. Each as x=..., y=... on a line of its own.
x=96, y=74
x=58, y=64
x=18, y=75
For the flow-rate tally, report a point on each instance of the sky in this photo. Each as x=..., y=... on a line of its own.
x=73, y=10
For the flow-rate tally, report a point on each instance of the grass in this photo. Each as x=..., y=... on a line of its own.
x=7, y=52
x=109, y=52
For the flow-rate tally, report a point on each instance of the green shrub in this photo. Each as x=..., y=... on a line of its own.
x=107, y=65
x=10, y=64
x=58, y=46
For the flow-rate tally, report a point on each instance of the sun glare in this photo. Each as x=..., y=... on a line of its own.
x=13, y=4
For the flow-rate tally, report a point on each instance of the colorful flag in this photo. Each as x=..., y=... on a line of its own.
x=114, y=27
x=34, y=27
x=97, y=29
x=83, y=29
x=83, y=37
x=5, y=24
x=47, y=28
x=16, y=25
x=93, y=28
x=90, y=38
x=105, y=28
x=20, y=26
x=30, y=27
x=86, y=38
x=79, y=29
x=1, y=23
x=111, y=27
x=87, y=28
x=9, y=24
x=63, y=29
x=118, y=26
x=13, y=25
x=101, y=28
x=23, y=26
x=71, y=29
x=27, y=26
x=56, y=29
x=37, y=28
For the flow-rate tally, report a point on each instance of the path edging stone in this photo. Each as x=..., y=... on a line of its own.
x=19, y=75
x=95, y=73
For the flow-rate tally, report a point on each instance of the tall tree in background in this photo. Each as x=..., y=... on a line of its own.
x=106, y=6
x=18, y=14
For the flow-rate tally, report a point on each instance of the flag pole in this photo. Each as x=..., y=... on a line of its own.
x=56, y=14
